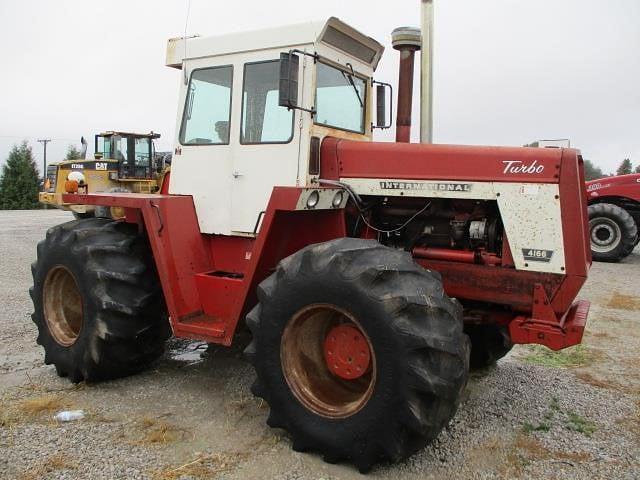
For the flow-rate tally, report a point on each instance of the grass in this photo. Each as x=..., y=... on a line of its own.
x=572, y=357
x=573, y=421
x=580, y=424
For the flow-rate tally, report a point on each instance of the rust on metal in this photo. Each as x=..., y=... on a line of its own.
x=62, y=306
x=302, y=355
x=407, y=40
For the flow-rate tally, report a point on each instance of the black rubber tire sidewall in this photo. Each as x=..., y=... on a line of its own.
x=373, y=319
x=628, y=231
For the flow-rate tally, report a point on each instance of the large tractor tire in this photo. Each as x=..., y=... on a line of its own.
x=613, y=232
x=97, y=300
x=489, y=343
x=358, y=351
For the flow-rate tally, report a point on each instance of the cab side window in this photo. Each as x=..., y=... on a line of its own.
x=263, y=120
x=207, y=110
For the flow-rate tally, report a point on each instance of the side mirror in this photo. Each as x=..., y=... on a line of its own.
x=381, y=105
x=289, y=68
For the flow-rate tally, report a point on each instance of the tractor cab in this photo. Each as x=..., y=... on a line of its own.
x=133, y=152
x=254, y=108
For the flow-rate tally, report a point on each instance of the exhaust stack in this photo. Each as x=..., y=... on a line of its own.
x=407, y=40
x=426, y=83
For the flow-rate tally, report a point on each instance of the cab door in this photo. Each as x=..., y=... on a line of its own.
x=202, y=165
x=269, y=143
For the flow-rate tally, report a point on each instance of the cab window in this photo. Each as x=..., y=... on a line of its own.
x=263, y=120
x=340, y=99
x=207, y=111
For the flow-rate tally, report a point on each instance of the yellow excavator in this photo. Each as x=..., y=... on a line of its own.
x=123, y=162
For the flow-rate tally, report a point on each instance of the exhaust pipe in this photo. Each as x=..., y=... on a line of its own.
x=407, y=41
x=83, y=149
x=426, y=83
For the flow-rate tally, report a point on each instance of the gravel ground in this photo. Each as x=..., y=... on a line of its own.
x=570, y=415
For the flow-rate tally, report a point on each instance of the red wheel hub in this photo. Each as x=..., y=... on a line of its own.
x=346, y=351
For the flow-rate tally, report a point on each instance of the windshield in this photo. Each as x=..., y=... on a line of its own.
x=340, y=99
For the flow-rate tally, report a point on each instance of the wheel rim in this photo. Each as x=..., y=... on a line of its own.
x=62, y=306
x=304, y=353
x=605, y=234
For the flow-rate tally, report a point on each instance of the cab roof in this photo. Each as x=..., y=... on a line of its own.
x=333, y=32
x=111, y=133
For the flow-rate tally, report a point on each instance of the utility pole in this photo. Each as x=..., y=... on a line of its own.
x=44, y=142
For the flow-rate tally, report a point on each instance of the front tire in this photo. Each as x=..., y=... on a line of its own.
x=395, y=380
x=97, y=300
x=613, y=232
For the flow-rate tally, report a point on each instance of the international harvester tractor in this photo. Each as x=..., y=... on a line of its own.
x=372, y=276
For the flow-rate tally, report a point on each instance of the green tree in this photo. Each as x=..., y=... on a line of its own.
x=73, y=153
x=637, y=168
x=625, y=167
x=19, y=182
x=591, y=171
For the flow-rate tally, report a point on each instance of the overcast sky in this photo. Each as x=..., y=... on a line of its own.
x=507, y=72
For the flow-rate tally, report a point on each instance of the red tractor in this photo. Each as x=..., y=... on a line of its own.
x=614, y=216
x=371, y=275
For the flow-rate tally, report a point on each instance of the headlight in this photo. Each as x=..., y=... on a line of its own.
x=313, y=199
x=337, y=199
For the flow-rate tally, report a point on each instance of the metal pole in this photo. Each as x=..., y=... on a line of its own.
x=44, y=142
x=426, y=90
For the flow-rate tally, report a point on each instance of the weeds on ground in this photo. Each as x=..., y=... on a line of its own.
x=547, y=422
x=580, y=424
x=577, y=356
x=44, y=404
x=158, y=432
x=572, y=421
x=201, y=467
x=54, y=463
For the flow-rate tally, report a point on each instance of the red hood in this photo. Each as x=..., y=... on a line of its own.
x=623, y=185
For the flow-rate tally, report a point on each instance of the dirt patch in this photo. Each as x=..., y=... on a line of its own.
x=623, y=302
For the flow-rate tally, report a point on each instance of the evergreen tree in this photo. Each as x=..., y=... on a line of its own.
x=19, y=182
x=73, y=153
x=591, y=171
x=638, y=168
x=625, y=167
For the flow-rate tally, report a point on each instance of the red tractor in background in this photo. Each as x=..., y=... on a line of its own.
x=614, y=216
x=372, y=276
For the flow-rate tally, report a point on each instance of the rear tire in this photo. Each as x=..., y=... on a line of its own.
x=489, y=343
x=613, y=232
x=97, y=300
x=418, y=351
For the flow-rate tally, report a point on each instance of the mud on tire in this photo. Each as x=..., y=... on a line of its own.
x=419, y=351
x=97, y=300
x=613, y=232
